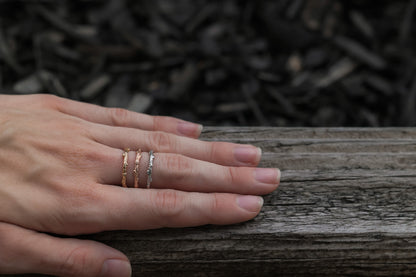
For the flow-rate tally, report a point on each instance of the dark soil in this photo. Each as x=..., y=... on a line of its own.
x=269, y=62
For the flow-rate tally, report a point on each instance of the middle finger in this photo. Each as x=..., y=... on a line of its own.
x=223, y=153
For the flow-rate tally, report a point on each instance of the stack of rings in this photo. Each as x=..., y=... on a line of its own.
x=136, y=168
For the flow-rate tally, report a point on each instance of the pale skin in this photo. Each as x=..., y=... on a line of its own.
x=60, y=173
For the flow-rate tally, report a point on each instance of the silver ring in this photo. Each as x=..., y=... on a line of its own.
x=150, y=169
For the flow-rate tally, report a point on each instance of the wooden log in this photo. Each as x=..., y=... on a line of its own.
x=346, y=206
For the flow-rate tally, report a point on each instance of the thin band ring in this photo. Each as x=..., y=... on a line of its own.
x=150, y=169
x=136, y=168
x=125, y=164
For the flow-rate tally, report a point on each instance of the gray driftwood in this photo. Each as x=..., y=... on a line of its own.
x=346, y=206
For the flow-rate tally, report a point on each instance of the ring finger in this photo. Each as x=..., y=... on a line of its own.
x=174, y=171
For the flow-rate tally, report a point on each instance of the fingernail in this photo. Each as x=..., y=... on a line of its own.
x=250, y=203
x=114, y=267
x=189, y=129
x=247, y=154
x=267, y=175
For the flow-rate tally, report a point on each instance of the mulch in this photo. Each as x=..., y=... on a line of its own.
x=267, y=62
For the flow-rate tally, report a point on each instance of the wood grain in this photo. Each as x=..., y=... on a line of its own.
x=346, y=206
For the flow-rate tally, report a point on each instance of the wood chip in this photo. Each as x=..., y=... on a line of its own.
x=362, y=24
x=95, y=86
x=140, y=103
x=359, y=52
x=40, y=82
x=182, y=81
x=7, y=55
x=84, y=33
x=338, y=71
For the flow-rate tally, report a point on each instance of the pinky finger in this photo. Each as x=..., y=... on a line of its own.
x=25, y=251
x=141, y=209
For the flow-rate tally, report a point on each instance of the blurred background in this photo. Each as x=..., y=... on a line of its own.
x=229, y=62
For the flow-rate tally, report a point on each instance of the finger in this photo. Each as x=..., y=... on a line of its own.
x=125, y=118
x=173, y=171
x=25, y=251
x=138, y=209
x=223, y=153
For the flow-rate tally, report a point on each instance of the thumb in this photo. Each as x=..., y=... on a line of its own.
x=26, y=251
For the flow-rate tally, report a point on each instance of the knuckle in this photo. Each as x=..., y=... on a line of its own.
x=157, y=123
x=214, y=150
x=10, y=248
x=48, y=100
x=78, y=198
x=163, y=123
x=216, y=202
x=84, y=156
x=78, y=213
x=73, y=124
x=162, y=142
x=167, y=205
x=5, y=255
x=178, y=167
x=76, y=263
x=231, y=175
x=10, y=133
x=119, y=116
x=93, y=155
x=212, y=209
x=97, y=158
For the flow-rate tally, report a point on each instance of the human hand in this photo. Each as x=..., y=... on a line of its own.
x=60, y=173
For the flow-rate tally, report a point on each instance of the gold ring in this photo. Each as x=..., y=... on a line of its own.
x=125, y=164
x=136, y=168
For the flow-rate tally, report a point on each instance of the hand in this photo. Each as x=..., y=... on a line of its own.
x=60, y=173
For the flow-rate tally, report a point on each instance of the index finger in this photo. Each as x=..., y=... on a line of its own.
x=125, y=118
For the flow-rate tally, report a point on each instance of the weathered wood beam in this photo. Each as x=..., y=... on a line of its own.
x=346, y=206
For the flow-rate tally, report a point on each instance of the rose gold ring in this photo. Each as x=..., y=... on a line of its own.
x=125, y=165
x=136, y=168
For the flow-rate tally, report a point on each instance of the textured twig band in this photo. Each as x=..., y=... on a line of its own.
x=150, y=169
x=125, y=165
x=136, y=168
